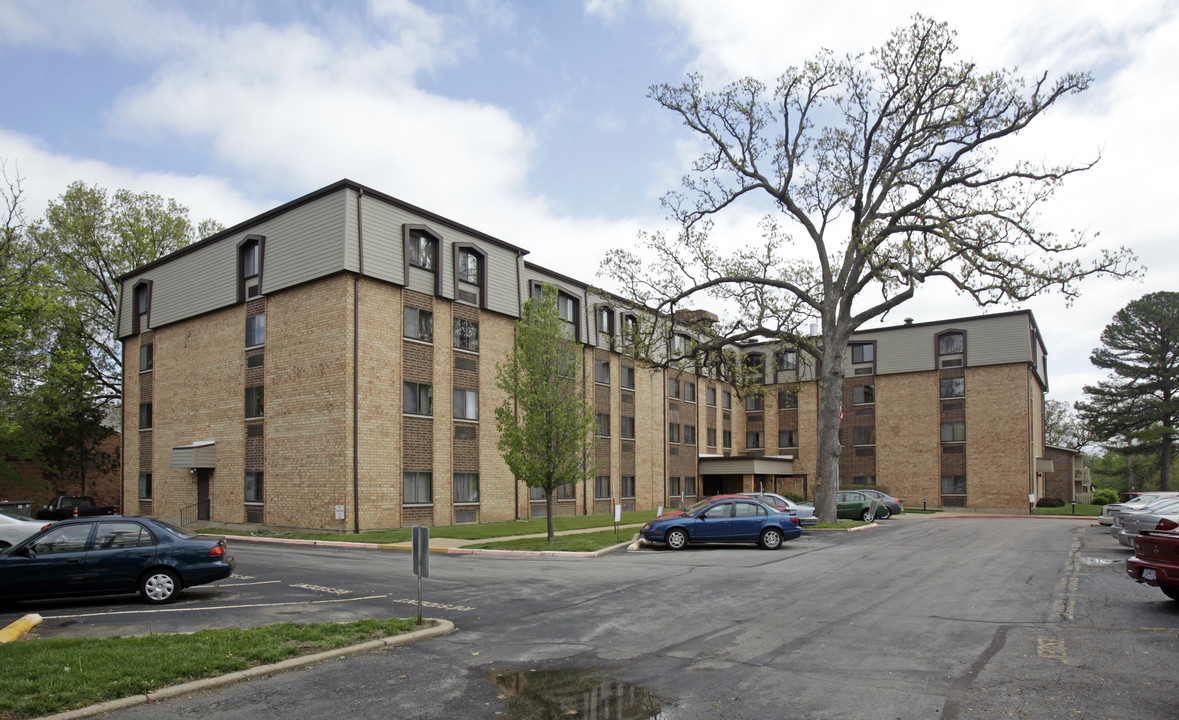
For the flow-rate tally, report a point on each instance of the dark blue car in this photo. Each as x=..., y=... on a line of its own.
x=724, y=521
x=111, y=555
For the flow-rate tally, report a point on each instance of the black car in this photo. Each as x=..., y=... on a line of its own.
x=109, y=556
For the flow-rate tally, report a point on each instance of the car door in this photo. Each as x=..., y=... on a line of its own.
x=748, y=520
x=714, y=524
x=120, y=552
x=847, y=506
x=53, y=565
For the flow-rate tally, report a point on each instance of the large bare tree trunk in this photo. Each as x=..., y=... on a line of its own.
x=830, y=403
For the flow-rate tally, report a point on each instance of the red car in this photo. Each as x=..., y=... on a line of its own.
x=1156, y=561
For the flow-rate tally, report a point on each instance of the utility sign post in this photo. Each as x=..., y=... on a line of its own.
x=421, y=560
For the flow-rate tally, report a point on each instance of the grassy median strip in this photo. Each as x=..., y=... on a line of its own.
x=45, y=676
x=1082, y=510
x=465, y=532
x=578, y=542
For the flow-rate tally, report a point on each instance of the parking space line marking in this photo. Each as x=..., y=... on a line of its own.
x=260, y=582
x=219, y=607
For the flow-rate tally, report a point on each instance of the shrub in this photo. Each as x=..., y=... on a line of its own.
x=1050, y=502
x=794, y=497
x=1105, y=496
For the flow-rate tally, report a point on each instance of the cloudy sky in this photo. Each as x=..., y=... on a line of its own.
x=528, y=119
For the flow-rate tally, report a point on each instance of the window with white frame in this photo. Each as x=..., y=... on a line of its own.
x=753, y=439
x=419, y=324
x=787, y=438
x=466, y=487
x=953, y=484
x=568, y=491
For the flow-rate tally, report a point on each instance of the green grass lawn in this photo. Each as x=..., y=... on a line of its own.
x=577, y=542
x=465, y=532
x=1082, y=509
x=46, y=676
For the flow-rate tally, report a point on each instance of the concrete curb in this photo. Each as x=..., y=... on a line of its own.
x=538, y=553
x=444, y=627
x=871, y=526
x=19, y=627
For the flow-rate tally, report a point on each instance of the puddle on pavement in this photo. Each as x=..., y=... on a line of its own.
x=573, y=693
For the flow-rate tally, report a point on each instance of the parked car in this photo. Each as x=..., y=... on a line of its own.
x=1141, y=500
x=892, y=504
x=805, y=513
x=67, y=506
x=1156, y=561
x=14, y=528
x=1159, y=506
x=697, y=505
x=109, y=556
x=726, y=520
x=1161, y=516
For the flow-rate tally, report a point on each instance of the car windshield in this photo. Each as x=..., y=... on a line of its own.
x=1161, y=504
x=14, y=516
x=698, y=505
x=176, y=530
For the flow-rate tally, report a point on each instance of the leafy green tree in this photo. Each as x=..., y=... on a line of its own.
x=878, y=172
x=1061, y=427
x=1134, y=411
x=88, y=238
x=546, y=425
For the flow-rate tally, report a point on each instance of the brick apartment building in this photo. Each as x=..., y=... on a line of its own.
x=331, y=364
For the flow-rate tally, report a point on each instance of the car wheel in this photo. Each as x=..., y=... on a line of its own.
x=1171, y=591
x=885, y=513
x=771, y=538
x=677, y=539
x=159, y=586
x=866, y=516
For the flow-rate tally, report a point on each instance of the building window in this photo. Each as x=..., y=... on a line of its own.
x=468, y=266
x=953, y=484
x=145, y=416
x=689, y=434
x=711, y=437
x=419, y=398
x=419, y=324
x=710, y=396
x=602, y=425
x=787, y=399
x=605, y=318
x=754, y=403
x=787, y=360
x=689, y=391
x=466, y=335
x=673, y=432
x=690, y=485
x=141, y=297
x=628, y=428
x=255, y=401
x=630, y=328
x=787, y=438
x=753, y=439
x=869, y=480
x=256, y=330
x=673, y=387
x=566, y=307
x=953, y=432
x=146, y=357
x=756, y=365
x=466, y=487
x=727, y=400
x=249, y=264
x=602, y=371
x=953, y=387
x=145, y=486
x=863, y=353
x=864, y=435
x=254, y=486
x=863, y=394
x=951, y=344
x=419, y=488
x=568, y=491
x=602, y=487
x=727, y=437
x=535, y=493
x=628, y=377
x=423, y=250
x=466, y=404
x=673, y=485
x=628, y=486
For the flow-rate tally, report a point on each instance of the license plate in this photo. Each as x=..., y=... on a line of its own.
x=1149, y=574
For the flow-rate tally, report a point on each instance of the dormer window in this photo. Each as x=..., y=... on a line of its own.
x=787, y=360
x=863, y=353
x=250, y=257
x=951, y=349
x=468, y=267
x=423, y=250
x=566, y=307
x=141, y=297
x=605, y=318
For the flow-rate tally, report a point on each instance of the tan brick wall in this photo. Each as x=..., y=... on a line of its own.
x=999, y=456
x=908, y=437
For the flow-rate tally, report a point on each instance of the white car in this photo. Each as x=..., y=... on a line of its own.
x=1128, y=523
x=805, y=513
x=1109, y=511
x=14, y=528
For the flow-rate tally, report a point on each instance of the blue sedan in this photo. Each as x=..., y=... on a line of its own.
x=721, y=521
x=110, y=555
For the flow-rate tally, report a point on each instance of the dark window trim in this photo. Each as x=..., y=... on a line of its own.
x=851, y=351
x=937, y=341
x=534, y=289
x=407, y=231
x=760, y=369
x=260, y=241
x=474, y=249
x=146, y=286
x=608, y=331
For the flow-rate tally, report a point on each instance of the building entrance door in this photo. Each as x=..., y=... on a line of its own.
x=203, y=493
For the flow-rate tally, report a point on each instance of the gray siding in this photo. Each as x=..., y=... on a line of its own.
x=990, y=340
x=304, y=244
x=533, y=274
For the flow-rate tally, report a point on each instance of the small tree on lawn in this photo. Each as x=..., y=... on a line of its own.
x=546, y=424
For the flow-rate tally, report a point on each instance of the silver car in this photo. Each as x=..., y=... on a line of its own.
x=1109, y=512
x=1161, y=515
x=14, y=528
x=806, y=513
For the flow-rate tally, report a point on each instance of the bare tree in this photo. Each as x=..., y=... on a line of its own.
x=882, y=173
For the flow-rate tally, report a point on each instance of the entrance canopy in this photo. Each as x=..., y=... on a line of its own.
x=200, y=454
x=732, y=465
